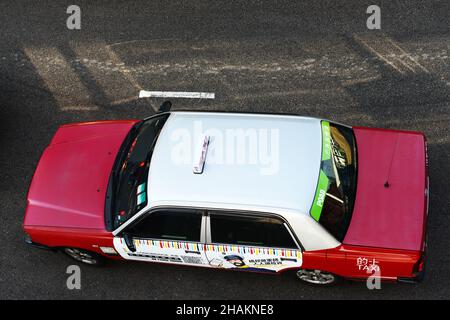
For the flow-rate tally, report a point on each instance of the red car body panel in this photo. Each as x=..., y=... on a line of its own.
x=343, y=261
x=390, y=216
x=88, y=239
x=69, y=186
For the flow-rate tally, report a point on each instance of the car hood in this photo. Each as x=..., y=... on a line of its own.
x=69, y=186
x=390, y=216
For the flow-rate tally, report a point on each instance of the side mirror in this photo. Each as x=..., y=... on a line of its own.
x=129, y=242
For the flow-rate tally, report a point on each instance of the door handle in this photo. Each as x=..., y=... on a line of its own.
x=190, y=251
x=288, y=259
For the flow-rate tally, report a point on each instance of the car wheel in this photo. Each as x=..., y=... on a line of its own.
x=316, y=277
x=84, y=256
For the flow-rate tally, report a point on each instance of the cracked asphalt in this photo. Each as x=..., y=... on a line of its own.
x=310, y=58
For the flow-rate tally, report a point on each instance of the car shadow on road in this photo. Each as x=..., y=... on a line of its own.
x=28, y=119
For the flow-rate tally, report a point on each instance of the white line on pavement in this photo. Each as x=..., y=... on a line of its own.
x=378, y=54
x=176, y=94
x=391, y=53
x=408, y=56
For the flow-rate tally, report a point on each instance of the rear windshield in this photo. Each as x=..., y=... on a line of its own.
x=336, y=188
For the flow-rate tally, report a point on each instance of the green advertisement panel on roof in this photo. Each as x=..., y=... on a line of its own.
x=319, y=198
x=326, y=141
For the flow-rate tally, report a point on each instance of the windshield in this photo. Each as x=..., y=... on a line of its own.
x=128, y=182
x=336, y=188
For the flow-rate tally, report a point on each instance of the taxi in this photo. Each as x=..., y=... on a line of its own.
x=249, y=192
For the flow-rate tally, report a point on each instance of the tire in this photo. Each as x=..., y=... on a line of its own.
x=84, y=256
x=317, y=277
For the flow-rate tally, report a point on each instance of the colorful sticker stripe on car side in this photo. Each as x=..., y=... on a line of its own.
x=253, y=250
x=168, y=244
x=163, y=244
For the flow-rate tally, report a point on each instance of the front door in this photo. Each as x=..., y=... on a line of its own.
x=164, y=235
x=251, y=243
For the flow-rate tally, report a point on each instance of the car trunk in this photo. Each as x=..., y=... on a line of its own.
x=391, y=199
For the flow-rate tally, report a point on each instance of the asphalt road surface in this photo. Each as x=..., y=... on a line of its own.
x=314, y=58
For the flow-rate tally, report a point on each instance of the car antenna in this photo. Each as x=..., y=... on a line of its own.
x=165, y=106
x=387, y=184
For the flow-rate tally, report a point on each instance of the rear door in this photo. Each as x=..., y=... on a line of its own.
x=250, y=243
x=165, y=235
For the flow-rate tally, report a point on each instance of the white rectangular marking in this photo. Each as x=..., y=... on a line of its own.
x=176, y=94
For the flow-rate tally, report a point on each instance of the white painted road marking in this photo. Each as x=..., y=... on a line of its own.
x=176, y=94
x=391, y=53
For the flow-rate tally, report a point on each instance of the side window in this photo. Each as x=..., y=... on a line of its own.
x=250, y=231
x=181, y=225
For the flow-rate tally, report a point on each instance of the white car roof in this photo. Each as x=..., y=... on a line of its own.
x=282, y=176
x=283, y=183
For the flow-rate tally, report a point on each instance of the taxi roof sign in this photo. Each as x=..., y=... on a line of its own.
x=200, y=163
